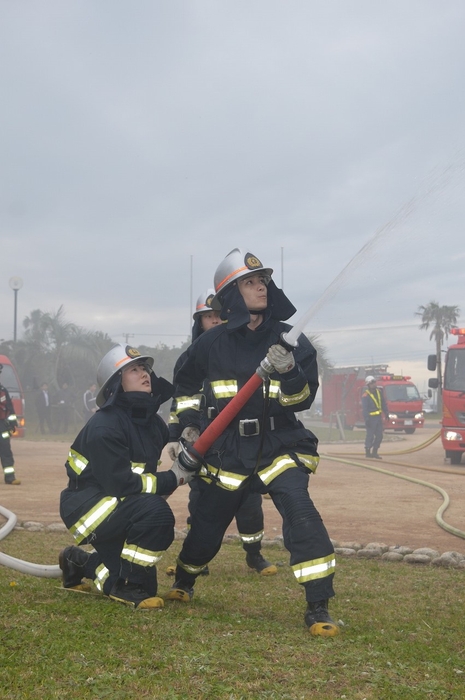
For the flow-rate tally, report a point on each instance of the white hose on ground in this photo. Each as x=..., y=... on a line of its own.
x=25, y=567
x=445, y=496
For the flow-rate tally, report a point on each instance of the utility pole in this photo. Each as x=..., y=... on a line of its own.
x=126, y=337
x=15, y=283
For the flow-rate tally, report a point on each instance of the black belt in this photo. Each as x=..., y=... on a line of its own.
x=249, y=427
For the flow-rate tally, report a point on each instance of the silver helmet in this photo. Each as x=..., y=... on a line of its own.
x=204, y=303
x=113, y=363
x=237, y=264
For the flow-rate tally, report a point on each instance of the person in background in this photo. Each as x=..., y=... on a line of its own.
x=8, y=425
x=115, y=498
x=373, y=406
x=43, y=408
x=89, y=402
x=65, y=404
x=249, y=517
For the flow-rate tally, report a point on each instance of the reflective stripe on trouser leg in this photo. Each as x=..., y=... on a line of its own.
x=139, y=530
x=215, y=509
x=305, y=536
x=249, y=520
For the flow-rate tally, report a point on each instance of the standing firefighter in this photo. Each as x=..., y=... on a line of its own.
x=373, y=405
x=249, y=517
x=8, y=425
x=114, y=499
x=265, y=448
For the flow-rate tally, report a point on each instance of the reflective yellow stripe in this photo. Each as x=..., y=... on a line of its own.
x=8, y=470
x=280, y=464
x=12, y=417
x=310, y=461
x=277, y=467
x=149, y=483
x=101, y=575
x=190, y=568
x=377, y=401
x=138, y=467
x=92, y=519
x=77, y=462
x=183, y=403
x=173, y=418
x=315, y=569
x=224, y=389
x=227, y=480
x=5, y=435
x=137, y=555
x=275, y=388
x=293, y=399
x=252, y=538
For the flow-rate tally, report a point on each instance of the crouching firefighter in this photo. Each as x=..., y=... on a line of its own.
x=8, y=425
x=249, y=517
x=265, y=448
x=114, y=499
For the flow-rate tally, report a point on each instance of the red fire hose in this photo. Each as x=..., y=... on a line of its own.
x=190, y=456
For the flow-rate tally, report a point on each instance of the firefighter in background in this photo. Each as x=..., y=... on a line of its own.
x=265, y=448
x=115, y=499
x=373, y=405
x=249, y=517
x=8, y=425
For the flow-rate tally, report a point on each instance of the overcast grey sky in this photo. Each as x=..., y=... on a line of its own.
x=140, y=141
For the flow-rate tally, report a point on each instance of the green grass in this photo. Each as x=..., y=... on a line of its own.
x=241, y=637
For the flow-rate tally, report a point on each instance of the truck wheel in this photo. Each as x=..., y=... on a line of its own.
x=455, y=457
x=410, y=431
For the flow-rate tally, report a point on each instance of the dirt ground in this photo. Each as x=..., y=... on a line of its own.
x=356, y=503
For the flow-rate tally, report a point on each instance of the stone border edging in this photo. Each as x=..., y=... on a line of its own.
x=371, y=550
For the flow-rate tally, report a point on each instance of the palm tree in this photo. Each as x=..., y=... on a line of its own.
x=441, y=319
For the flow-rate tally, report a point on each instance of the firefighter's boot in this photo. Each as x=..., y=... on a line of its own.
x=133, y=595
x=375, y=455
x=368, y=454
x=10, y=478
x=319, y=621
x=72, y=561
x=258, y=563
x=180, y=591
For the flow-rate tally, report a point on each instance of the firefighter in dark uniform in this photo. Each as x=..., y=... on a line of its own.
x=249, y=517
x=373, y=405
x=8, y=425
x=265, y=448
x=114, y=499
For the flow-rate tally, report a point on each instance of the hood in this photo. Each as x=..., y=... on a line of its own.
x=236, y=313
x=162, y=390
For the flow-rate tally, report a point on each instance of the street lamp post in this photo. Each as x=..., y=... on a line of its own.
x=15, y=283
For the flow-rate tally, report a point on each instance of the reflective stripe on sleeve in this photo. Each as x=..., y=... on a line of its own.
x=224, y=389
x=77, y=462
x=149, y=483
x=183, y=403
x=315, y=569
x=138, y=467
x=293, y=399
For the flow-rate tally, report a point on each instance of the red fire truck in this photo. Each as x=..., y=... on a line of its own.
x=10, y=380
x=453, y=397
x=342, y=394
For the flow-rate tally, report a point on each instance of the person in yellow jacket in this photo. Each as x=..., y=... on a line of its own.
x=373, y=405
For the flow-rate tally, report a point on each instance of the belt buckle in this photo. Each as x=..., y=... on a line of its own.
x=249, y=427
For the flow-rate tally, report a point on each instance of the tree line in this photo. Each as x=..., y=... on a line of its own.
x=55, y=350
